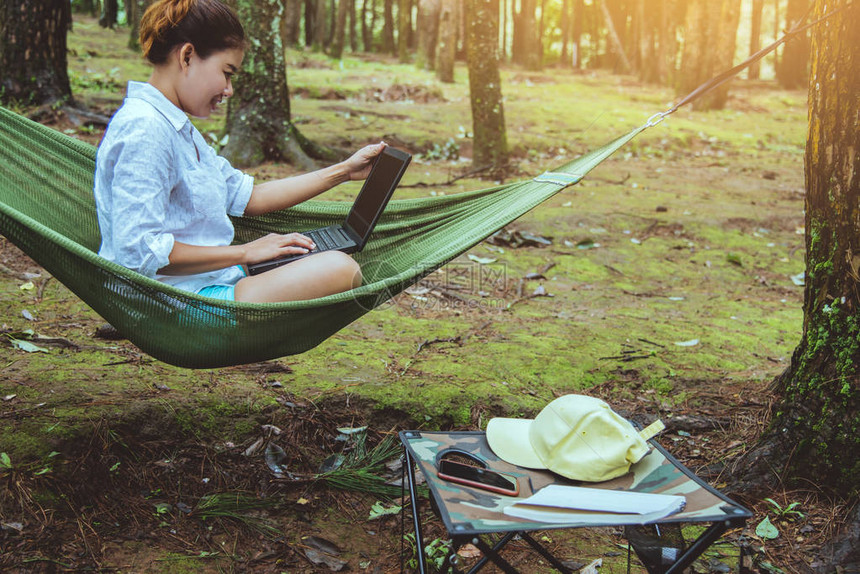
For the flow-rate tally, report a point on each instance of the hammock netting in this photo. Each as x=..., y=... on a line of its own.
x=47, y=210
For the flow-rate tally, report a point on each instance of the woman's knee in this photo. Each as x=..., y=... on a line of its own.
x=347, y=269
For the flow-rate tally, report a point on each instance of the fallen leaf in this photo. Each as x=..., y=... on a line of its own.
x=334, y=564
x=322, y=544
x=482, y=260
x=766, y=529
x=469, y=551
x=332, y=463
x=28, y=347
x=276, y=459
x=378, y=510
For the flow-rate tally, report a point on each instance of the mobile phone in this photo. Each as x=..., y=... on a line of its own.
x=477, y=477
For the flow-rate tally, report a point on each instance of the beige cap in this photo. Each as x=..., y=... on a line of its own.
x=576, y=436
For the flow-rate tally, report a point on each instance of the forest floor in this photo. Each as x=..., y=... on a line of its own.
x=668, y=283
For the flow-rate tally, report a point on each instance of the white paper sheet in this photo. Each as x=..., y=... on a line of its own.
x=573, y=504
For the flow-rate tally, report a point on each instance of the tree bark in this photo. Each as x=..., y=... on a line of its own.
x=134, y=12
x=576, y=37
x=291, y=24
x=91, y=7
x=33, y=61
x=388, y=44
x=754, y=71
x=709, y=47
x=320, y=24
x=485, y=90
x=351, y=26
x=447, y=46
x=792, y=71
x=258, y=114
x=814, y=434
x=617, y=45
x=404, y=29
x=428, y=33
x=526, y=49
x=110, y=11
x=339, y=38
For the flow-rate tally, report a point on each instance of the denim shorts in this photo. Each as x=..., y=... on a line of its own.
x=225, y=292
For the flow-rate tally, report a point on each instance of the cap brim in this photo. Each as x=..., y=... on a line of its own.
x=509, y=439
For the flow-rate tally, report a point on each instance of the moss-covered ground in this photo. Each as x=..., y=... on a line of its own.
x=668, y=287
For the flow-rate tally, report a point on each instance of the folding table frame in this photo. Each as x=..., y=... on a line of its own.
x=470, y=515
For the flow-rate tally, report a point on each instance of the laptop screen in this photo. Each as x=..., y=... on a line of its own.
x=376, y=191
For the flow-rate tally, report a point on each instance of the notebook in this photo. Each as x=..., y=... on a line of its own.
x=352, y=235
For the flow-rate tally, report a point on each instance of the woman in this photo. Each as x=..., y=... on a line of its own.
x=164, y=196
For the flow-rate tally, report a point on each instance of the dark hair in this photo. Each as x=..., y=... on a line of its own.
x=208, y=25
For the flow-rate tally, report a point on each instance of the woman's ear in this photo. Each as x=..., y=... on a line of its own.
x=185, y=53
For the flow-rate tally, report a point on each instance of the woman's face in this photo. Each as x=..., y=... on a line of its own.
x=208, y=82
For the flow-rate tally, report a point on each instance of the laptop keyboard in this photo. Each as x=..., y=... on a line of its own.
x=326, y=240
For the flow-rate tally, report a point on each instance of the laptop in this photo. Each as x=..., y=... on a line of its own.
x=352, y=235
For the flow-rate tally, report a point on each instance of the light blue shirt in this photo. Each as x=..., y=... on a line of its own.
x=157, y=181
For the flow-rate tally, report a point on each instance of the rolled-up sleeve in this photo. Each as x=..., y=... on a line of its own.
x=133, y=184
x=239, y=186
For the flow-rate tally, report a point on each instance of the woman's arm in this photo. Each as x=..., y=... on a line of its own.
x=188, y=259
x=284, y=193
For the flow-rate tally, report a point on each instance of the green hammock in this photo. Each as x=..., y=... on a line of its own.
x=47, y=210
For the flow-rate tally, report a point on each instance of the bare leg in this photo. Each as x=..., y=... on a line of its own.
x=308, y=278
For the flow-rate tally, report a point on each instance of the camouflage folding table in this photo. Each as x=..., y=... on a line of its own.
x=476, y=516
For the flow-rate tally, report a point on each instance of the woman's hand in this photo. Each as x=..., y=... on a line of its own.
x=283, y=193
x=276, y=245
x=359, y=164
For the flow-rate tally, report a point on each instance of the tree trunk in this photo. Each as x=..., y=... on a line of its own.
x=291, y=24
x=428, y=33
x=447, y=48
x=485, y=90
x=351, y=26
x=91, y=7
x=665, y=50
x=814, y=435
x=709, y=47
x=366, y=28
x=320, y=23
x=258, y=114
x=576, y=39
x=564, y=24
x=33, y=62
x=617, y=45
x=110, y=10
x=724, y=54
x=404, y=29
x=526, y=48
x=388, y=45
x=792, y=72
x=310, y=24
x=754, y=71
x=339, y=38
x=134, y=12
x=331, y=12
